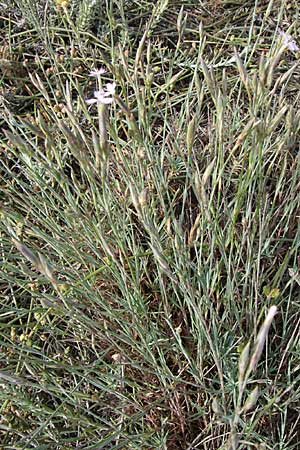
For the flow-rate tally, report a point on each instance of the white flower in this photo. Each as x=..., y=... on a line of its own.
x=97, y=72
x=104, y=96
x=289, y=42
x=111, y=88
x=100, y=97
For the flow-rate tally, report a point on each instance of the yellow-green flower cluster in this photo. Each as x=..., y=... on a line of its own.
x=62, y=3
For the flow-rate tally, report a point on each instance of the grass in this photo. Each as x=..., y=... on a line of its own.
x=150, y=247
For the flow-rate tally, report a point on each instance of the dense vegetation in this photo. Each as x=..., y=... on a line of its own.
x=150, y=235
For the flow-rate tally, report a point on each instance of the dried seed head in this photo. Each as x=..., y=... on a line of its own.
x=144, y=197
x=261, y=338
x=216, y=407
x=251, y=400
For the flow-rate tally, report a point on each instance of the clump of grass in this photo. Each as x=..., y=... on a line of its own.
x=145, y=235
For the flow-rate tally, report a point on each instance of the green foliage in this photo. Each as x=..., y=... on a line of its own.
x=87, y=13
x=34, y=14
x=149, y=243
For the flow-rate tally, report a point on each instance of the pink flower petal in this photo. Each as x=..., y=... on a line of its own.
x=288, y=41
x=97, y=72
x=90, y=101
x=111, y=88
